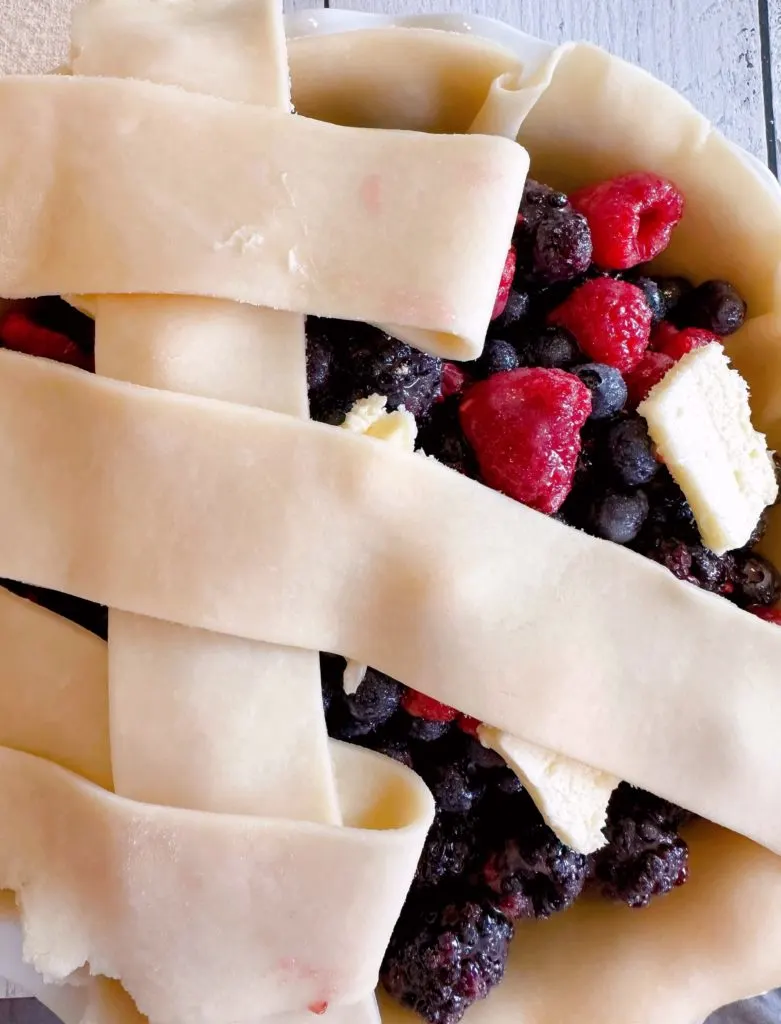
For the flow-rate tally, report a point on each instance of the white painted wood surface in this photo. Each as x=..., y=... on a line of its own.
x=723, y=55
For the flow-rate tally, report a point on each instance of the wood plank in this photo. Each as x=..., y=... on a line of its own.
x=770, y=11
x=707, y=49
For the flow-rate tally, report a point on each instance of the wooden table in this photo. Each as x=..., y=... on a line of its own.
x=723, y=55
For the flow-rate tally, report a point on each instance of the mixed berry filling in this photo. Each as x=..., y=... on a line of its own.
x=583, y=329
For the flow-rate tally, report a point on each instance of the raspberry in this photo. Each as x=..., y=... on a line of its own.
x=468, y=724
x=454, y=380
x=768, y=614
x=505, y=285
x=646, y=375
x=610, y=320
x=525, y=429
x=20, y=334
x=631, y=218
x=676, y=344
x=421, y=706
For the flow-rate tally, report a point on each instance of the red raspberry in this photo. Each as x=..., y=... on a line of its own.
x=469, y=725
x=505, y=284
x=768, y=614
x=610, y=320
x=524, y=426
x=20, y=334
x=661, y=335
x=421, y=706
x=652, y=367
x=676, y=344
x=454, y=380
x=631, y=217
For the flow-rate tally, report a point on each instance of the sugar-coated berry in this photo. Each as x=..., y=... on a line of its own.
x=562, y=246
x=524, y=427
x=619, y=517
x=498, y=356
x=714, y=306
x=631, y=217
x=376, y=700
x=610, y=320
x=421, y=706
x=646, y=375
x=630, y=452
x=516, y=309
x=607, y=387
x=505, y=284
x=552, y=347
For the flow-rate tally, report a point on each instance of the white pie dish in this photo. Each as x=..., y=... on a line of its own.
x=540, y=1010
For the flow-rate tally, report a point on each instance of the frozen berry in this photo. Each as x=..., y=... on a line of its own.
x=524, y=427
x=319, y=355
x=713, y=306
x=645, y=856
x=756, y=580
x=498, y=356
x=389, y=367
x=619, y=517
x=670, y=514
x=505, y=284
x=454, y=380
x=454, y=791
x=631, y=217
x=331, y=676
x=673, y=290
x=551, y=347
x=425, y=730
x=676, y=344
x=533, y=875
x=562, y=246
x=468, y=724
x=630, y=451
x=646, y=375
x=768, y=614
x=441, y=960
x=653, y=296
x=537, y=202
x=20, y=334
x=441, y=436
x=376, y=699
x=610, y=320
x=448, y=850
x=515, y=311
x=396, y=749
x=607, y=387
x=421, y=706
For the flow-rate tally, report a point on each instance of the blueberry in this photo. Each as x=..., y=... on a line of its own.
x=631, y=453
x=498, y=356
x=672, y=290
x=756, y=580
x=516, y=309
x=454, y=792
x=319, y=355
x=397, y=750
x=619, y=517
x=607, y=387
x=552, y=347
x=714, y=306
x=376, y=699
x=424, y=730
x=562, y=246
x=653, y=296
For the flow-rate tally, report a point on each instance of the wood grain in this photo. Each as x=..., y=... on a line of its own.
x=707, y=49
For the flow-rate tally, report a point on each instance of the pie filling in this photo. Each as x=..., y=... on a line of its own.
x=570, y=409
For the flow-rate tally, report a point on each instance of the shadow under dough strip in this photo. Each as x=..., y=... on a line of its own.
x=259, y=525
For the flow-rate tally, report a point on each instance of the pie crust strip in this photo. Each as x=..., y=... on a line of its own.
x=110, y=186
x=258, y=525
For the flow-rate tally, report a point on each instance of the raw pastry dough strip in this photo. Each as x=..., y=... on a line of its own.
x=199, y=720
x=259, y=525
x=163, y=191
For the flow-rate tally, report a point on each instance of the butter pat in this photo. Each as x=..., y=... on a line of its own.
x=368, y=417
x=699, y=418
x=572, y=797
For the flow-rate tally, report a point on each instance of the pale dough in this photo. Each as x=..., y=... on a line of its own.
x=160, y=190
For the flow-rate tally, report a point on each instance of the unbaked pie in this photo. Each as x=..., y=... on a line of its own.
x=518, y=387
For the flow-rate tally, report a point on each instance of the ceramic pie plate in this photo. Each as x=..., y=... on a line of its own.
x=587, y=115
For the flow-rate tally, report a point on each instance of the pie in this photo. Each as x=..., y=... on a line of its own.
x=378, y=431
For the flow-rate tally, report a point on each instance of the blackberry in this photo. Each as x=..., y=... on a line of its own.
x=755, y=579
x=653, y=296
x=376, y=700
x=498, y=356
x=383, y=365
x=619, y=517
x=448, y=850
x=538, y=201
x=562, y=246
x=442, y=959
x=607, y=387
x=551, y=347
x=714, y=306
x=645, y=855
x=696, y=564
x=441, y=436
x=534, y=875
x=454, y=791
x=631, y=452
x=670, y=514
